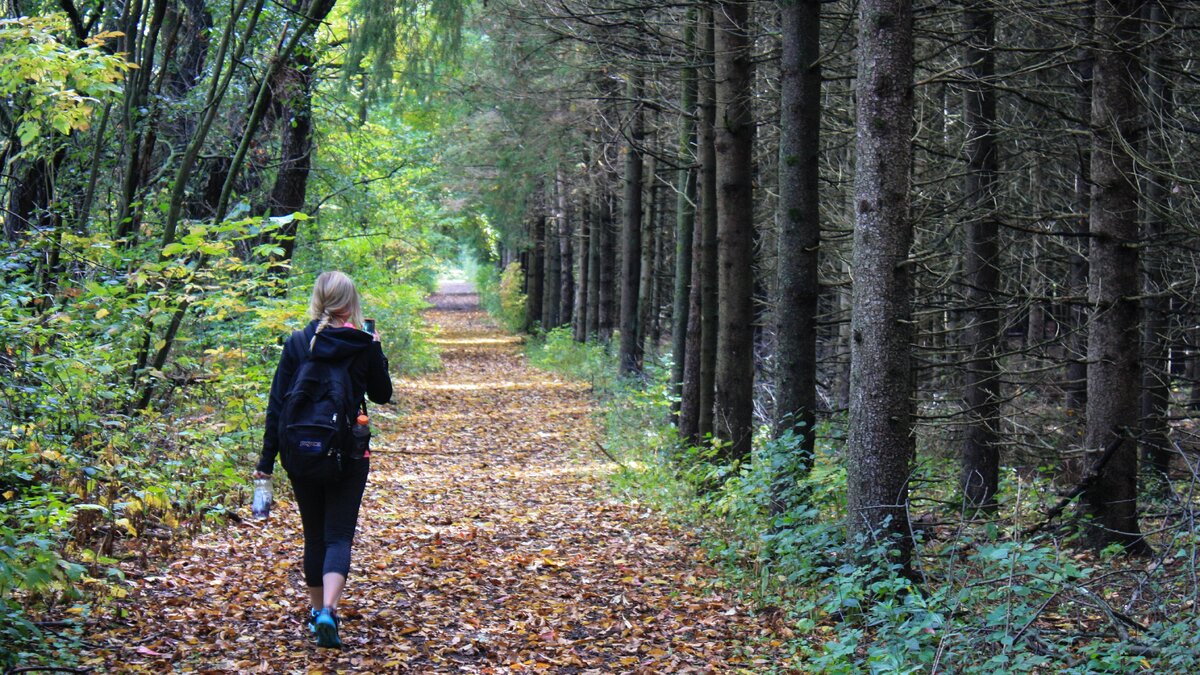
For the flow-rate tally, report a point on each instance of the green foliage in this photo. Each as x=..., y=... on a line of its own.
x=512, y=298
x=397, y=309
x=592, y=362
x=84, y=476
x=487, y=285
x=51, y=87
x=500, y=295
x=777, y=528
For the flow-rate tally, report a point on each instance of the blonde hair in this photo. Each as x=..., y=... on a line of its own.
x=334, y=297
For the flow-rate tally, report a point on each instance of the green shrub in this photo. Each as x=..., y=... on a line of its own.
x=512, y=299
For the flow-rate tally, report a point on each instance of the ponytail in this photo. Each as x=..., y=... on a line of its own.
x=321, y=325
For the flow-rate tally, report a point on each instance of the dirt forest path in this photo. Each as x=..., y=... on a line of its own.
x=486, y=544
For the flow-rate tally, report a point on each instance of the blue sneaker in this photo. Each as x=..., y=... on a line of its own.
x=326, y=628
x=312, y=620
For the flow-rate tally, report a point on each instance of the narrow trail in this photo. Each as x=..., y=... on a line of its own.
x=486, y=544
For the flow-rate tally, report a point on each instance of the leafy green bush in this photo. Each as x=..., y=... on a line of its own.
x=557, y=350
x=512, y=299
x=487, y=285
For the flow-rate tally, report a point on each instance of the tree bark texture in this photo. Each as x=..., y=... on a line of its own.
x=799, y=223
x=583, y=253
x=1113, y=368
x=296, y=144
x=880, y=445
x=566, y=255
x=734, y=141
x=595, y=239
x=646, y=299
x=707, y=271
x=608, y=255
x=552, y=283
x=980, y=472
x=630, y=349
x=534, y=274
x=1156, y=379
x=1075, y=388
x=685, y=224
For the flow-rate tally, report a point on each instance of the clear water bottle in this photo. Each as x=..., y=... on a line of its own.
x=261, y=507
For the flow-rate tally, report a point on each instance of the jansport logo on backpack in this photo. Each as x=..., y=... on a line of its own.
x=314, y=425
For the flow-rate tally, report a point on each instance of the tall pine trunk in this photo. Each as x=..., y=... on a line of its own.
x=583, y=253
x=685, y=224
x=799, y=224
x=534, y=273
x=880, y=446
x=551, y=283
x=707, y=271
x=630, y=350
x=607, y=309
x=646, y=299
x=1156, y=383
x=734, y=380
x=980, y=473
x=566, y=254
x=1113, y=365
x=1077, y=275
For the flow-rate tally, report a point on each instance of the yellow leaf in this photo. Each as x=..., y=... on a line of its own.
x=102, y=313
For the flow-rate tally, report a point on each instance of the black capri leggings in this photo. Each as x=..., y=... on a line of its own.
x=329, y=513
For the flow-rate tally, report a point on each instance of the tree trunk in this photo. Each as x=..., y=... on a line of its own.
x=734, y=382
x=709, y=309
x=799, y=225
x=685, y=224
x=566, y=255
x=296, y=145
x=1113, y=368
x=29, y=196
x=664, y=242
x=140, y=118
x=582, y=311
x=534, y=274
x=595, y=241
x=880, y=445
x=1077, y=275
x=608, y=258
x=553, y=274
x=689, y=398
x=646, y=299
x=1156, y=382
x=630, y=351
x=980, y=474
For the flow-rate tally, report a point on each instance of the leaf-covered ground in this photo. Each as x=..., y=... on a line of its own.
x=487, y=544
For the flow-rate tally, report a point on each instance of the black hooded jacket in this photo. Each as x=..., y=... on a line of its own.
x=368, y=374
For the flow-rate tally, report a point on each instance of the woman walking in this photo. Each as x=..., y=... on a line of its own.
x=328, y=504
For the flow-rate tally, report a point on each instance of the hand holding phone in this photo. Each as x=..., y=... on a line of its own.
x=369, y=326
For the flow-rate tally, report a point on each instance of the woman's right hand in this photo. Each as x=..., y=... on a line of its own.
x=260, y=474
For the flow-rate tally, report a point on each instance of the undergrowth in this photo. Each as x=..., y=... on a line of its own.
x=990, y=598
x=91, y=485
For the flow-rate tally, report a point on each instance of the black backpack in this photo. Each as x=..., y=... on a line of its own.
x=315, y=424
